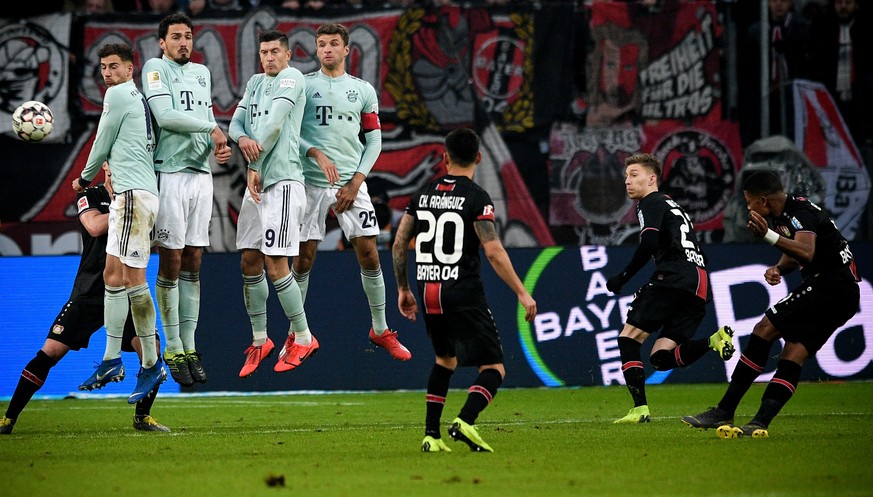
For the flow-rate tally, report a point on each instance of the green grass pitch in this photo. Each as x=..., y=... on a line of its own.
x=548, y=442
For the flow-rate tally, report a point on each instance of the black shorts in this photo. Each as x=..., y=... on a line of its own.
x=77, y=321
x=675, y=312
x=469, y=335
x=813, y=311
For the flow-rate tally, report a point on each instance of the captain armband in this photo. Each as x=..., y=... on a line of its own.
x=370, y=121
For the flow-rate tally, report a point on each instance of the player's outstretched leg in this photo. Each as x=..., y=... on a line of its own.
x=105, y=373
x=722, y=342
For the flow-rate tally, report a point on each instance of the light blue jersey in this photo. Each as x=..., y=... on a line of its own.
x=125, y=139
x=270, y=113
x=331, y=123
x=180, y=97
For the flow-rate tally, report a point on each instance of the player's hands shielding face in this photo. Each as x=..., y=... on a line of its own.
x=757, y=224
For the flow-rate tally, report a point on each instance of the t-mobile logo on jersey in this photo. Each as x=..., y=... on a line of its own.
x=323, y=113
x=186, y=99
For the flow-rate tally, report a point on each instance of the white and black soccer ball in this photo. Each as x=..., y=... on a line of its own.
x=32, y=121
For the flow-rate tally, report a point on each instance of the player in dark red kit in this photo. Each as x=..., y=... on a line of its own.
x=806, y=318
x=449, y=219
x=674, y=300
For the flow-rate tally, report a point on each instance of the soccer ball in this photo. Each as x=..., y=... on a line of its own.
x=32, y=121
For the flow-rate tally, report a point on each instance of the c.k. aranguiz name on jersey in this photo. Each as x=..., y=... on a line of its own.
x=441, y=202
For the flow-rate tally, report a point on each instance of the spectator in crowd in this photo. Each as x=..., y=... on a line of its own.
x=98, y=7
x=788, y=54
x=225, y=5
x=842, y=42
x=161, y=7
x=195, y=7
x=289, y=4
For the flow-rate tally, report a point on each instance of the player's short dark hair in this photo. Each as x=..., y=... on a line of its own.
x=648, y=161
x=171, y=19
x=334, y=29
x=273, y=35
x=462, y=145
x=122, y=50
x=762, y=182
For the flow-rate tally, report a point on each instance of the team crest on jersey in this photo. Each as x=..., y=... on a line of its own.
x=57, y=329
x=352, y=95
x=487, y=212
x=202, y=81
x=83, y=204
x=785, y=231
x=154, y=79
x=287, y=83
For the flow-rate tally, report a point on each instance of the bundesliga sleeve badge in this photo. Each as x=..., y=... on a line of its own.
x=154, y=79
x=83, y=204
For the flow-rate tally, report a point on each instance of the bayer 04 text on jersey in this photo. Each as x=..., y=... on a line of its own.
x=436, y=272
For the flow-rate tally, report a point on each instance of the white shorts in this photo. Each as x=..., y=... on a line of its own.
x=359, y=220
x=131, y=219
x=273, y=226
x=186, y=208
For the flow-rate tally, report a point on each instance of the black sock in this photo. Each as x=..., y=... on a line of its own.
x=632, y=369
x=144, y=405
x=437, y=389
x=33, y=376
x=680, y=357
x=480, y=394
x=690, y=351
x=751, y=364
x=778, y=392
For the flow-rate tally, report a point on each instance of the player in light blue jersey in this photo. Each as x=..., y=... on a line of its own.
x=336, y=163
x=179, y=93
x=125, y=139
x=266, y=126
